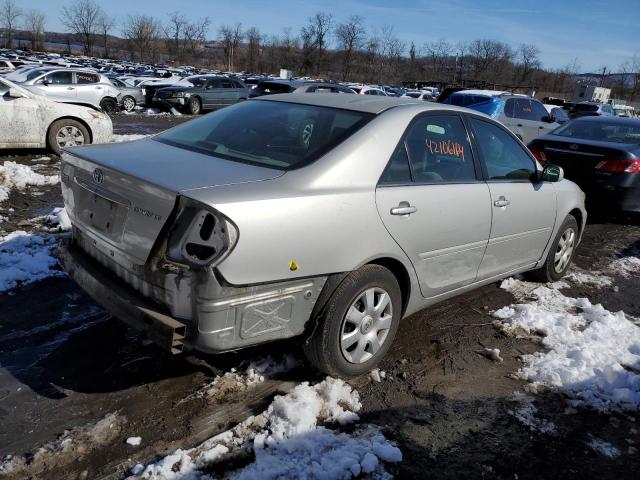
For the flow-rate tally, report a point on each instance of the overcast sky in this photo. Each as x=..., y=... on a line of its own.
x=596, y=33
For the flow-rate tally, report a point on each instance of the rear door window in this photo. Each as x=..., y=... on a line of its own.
x=439, y=150
x=213, y=83
x=226, y=83
x=83, y=78
x=523, y=109
x=539, y=112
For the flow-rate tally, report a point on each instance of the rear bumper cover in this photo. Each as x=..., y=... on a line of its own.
x=215, y=317
x=625, y=198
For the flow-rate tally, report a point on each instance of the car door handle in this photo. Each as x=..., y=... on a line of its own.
x=98, y=88
x=70, y=88
x=501, y=202
x=403, y=209
x=520, y=125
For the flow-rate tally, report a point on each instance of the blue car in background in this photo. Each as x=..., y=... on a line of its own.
x=526, y=117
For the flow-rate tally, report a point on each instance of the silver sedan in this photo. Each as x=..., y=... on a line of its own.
x=328, y=217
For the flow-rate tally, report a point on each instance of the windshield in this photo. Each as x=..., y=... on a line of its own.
x=601, y=131
x=272, y=134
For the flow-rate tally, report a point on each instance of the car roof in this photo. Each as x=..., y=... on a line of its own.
x=622, y=121
x=358, y=103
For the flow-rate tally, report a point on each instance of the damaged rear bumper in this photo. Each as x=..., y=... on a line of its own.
x=215, y=317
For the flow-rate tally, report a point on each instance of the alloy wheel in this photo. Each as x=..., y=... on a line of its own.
x=366, y=325
x=69, y=136
x=564, y=250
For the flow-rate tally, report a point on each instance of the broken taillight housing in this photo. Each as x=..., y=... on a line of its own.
x=200, y=235
x=619, y=166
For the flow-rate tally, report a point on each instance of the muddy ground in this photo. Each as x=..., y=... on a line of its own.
x=65, y=364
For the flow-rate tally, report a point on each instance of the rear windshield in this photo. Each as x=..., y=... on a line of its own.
x=489, y=105
x=585, y=107
x=601, y=131
x=270, y=134
x=267, y=88
x=35, y=73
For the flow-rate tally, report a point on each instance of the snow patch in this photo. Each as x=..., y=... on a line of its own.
x=26, y=258
x=526, y=413
x=593, y=354
x=625, y=266
x=289, y=441
x=16, y=176
x=603, y=448
x=119, y=138
x=134, y=441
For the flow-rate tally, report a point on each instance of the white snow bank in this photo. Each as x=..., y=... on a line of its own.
x=593, y=354
x=57, y=220
x=26, y=258
x=118, y=138
x=14, y=175
x=289, y=441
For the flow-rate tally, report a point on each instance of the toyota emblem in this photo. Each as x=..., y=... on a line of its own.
x=98, y=176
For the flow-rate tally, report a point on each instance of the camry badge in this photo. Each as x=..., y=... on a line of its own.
x=98, y=176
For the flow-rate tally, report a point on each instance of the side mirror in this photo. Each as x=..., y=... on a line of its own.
x=552, y=173
x=549, y=118
x=15, y=93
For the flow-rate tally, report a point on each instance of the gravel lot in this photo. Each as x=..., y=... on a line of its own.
x=64, y=364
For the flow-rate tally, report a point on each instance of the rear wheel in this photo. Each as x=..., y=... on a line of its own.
x=128, y=103
x=358, y=323
x=195, y=106
x=109, y=105
x=561, y=252
x=67, y=133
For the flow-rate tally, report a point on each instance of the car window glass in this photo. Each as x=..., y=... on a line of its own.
x=397, y=171
x=439, y=150
x=3, y=89
x=84, y=78
x=227, y=83
x=60, y=78
x=504, y=158
x=523, y=109
x=539, y=112
x=509, y=107
x=213, y=83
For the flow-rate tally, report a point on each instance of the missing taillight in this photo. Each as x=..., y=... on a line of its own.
x=199, y=236
x=207, y=227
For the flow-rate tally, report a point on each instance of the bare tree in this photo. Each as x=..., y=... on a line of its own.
x=105, y=24
x=489, y=58
x=174, y=33
x=319, y=27
x=254, y=39
x=34, y=23
x=9, y=15
x=81, y=17
x=143, y=34
x=350, y=36
x=195, y=35
x=527, y=61
x=439, y=52
x=230, y=37
x=630, y=71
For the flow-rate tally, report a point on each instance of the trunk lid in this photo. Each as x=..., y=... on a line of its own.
x=123, y=194
x=578, y=157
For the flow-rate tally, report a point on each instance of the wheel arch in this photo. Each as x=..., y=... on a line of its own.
x=68, y=117
x=577, y=214
x=399, y=271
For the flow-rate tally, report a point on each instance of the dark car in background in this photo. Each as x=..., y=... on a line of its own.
x=601, y=155
x=201, y=92
x=591, y=109
x=270, y=87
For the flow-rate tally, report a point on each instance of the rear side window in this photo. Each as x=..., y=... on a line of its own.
x=227, y=83
x=214, y=83
x=503, y=156
x=83, y=78
x=439, y=150
x=398, y=171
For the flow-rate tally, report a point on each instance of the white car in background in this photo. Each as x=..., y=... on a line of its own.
x=29, y=120
x=369, y=91
x=418, y=95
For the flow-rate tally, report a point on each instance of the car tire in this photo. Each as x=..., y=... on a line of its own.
x=109, y=105
x=560, y=254
x=128, y=103
x=342, y=343
x=67, y=133
x=195, y=106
